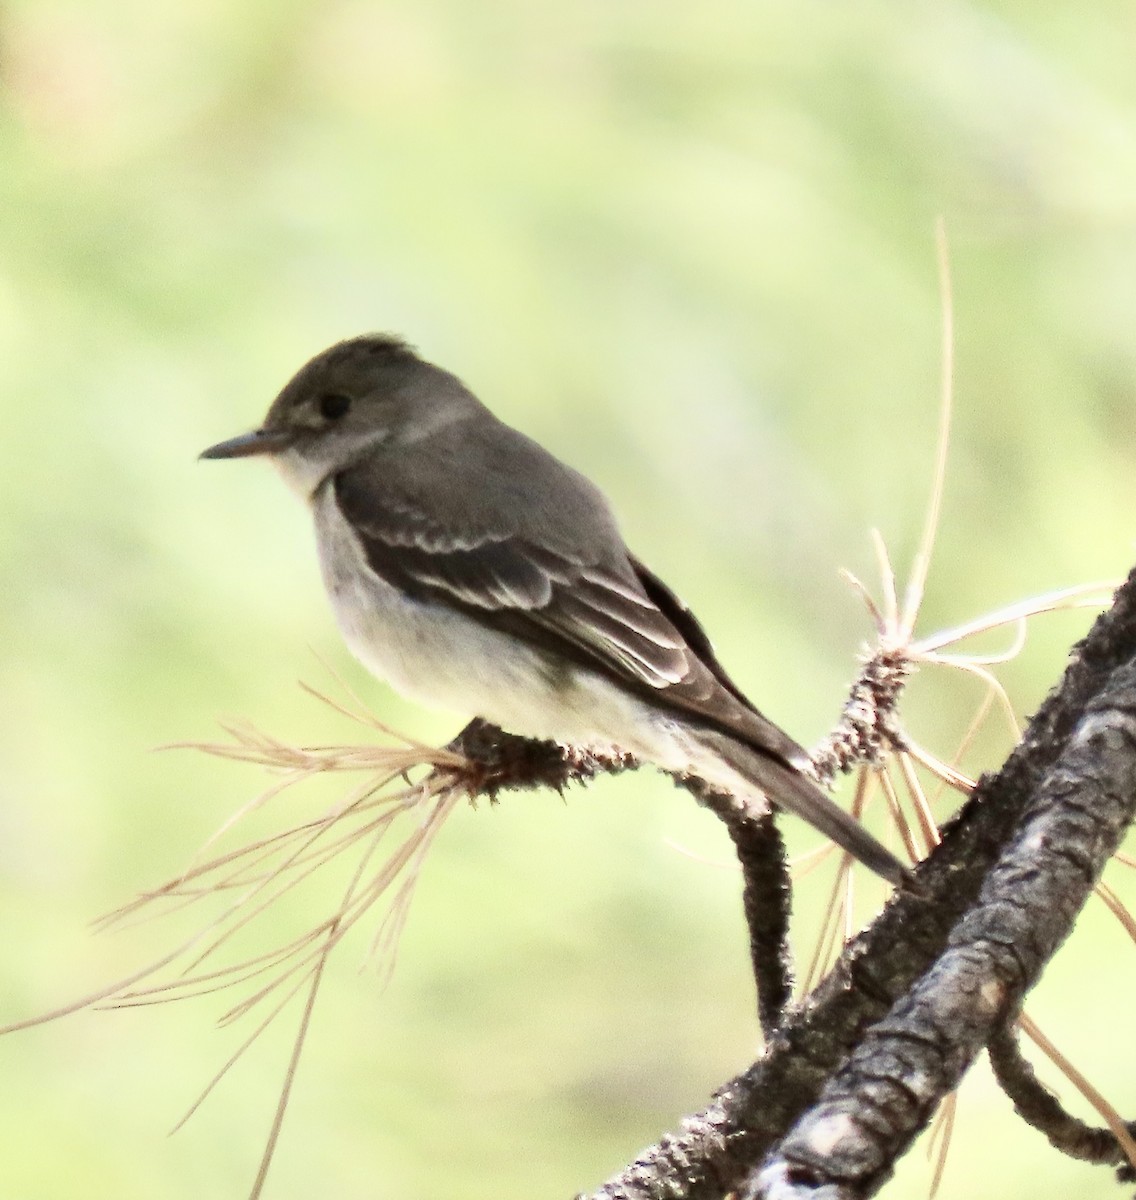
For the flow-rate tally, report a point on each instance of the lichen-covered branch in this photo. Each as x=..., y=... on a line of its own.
x=1078, y=758
x=872, y=1108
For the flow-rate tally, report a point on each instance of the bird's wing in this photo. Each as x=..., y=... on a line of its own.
x=595, y=607
x=607, y=613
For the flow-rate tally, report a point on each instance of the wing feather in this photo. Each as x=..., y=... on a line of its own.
x=609, y=614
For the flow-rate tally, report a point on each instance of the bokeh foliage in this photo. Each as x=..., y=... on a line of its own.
x=689, y=247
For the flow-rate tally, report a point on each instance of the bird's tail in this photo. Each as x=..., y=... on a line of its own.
x=790, y=789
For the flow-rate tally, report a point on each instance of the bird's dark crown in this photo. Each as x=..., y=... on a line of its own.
x=369, y=347
x=354, y=366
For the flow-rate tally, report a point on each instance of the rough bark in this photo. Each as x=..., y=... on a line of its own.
x=854, y=1072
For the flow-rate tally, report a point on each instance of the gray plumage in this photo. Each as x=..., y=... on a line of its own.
x=474, y=570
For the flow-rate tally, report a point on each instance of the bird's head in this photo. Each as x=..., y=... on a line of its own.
x=344, y=404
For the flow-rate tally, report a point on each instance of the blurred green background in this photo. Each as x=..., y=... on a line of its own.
x=691, y=249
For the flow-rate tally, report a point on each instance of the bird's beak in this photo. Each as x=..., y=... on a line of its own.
x=259, y=441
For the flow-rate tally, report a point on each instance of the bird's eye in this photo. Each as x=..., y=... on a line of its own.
x=333, y=405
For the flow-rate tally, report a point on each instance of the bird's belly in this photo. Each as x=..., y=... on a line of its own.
x=433, y=653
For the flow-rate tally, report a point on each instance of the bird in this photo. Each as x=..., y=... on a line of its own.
x=476, y=572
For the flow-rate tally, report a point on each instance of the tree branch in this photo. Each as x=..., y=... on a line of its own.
x=874, y=1106
x=766, y=898
x=1050, y=818
x=1039, y=1107
x=499, y=761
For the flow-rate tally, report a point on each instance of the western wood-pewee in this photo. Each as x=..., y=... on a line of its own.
x=476, y=572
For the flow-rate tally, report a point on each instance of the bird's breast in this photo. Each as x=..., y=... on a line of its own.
x=427, y=649
x=437, y=654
